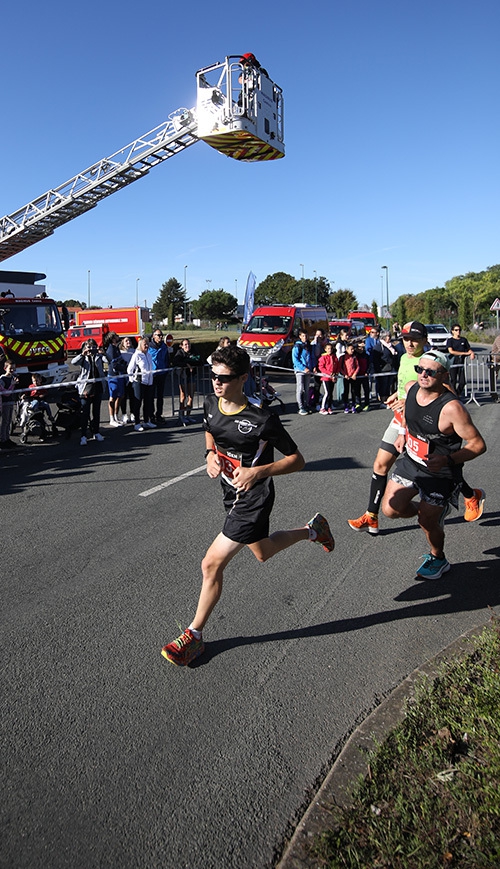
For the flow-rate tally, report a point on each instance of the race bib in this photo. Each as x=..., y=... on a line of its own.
x=228, y=463
x=417, y=448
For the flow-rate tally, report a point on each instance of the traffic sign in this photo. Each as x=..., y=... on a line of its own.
x=496, y=305
x=169, y=340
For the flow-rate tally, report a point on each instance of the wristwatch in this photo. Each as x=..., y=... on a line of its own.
x=207, y=452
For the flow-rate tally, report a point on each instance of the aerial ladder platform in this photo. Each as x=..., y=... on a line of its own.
x=239, y=112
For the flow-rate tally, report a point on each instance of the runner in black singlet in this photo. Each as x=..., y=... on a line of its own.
x=431, y=465
x=240, y=437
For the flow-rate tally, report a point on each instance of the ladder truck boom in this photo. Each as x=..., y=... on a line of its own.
x=239, y=112
x=39, y=218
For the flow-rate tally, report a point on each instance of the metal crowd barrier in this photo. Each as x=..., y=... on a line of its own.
x=481, y=378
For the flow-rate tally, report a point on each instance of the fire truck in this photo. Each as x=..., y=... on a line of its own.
x=239, y=112
x=96, y=322
x=31, y=332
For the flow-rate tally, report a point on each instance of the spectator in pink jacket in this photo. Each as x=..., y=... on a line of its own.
x=328, y=367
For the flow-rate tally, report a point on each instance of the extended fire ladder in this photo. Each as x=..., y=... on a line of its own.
x=240, y=113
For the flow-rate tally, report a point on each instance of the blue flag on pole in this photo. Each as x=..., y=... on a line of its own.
x=249, y=297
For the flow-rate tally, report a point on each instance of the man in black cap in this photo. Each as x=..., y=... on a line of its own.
x=414, y=335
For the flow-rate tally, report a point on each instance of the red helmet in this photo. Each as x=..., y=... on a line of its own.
x=249, y=59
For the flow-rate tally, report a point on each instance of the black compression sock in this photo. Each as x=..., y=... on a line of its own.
x=377, y=489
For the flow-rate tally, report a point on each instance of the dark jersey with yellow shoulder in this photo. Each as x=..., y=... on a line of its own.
x=248, y=436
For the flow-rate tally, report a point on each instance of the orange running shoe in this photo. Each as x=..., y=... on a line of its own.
x=474, y=506
x=366, y=522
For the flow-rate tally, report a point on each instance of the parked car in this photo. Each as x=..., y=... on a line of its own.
x=438, y=336
x=354, y=328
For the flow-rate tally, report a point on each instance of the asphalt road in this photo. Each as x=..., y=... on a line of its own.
x=112, y=757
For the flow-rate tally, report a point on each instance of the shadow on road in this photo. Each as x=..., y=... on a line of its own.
x=467, y=587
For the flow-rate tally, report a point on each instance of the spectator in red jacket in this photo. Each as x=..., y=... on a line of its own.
x=349, y=367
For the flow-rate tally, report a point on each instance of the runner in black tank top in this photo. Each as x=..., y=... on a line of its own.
x=430, y=467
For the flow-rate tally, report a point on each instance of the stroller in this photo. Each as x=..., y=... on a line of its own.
x=264, y=390
x=33, y=422
x=69, y=412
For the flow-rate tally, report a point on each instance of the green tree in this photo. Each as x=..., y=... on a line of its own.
x=214, y=305
x=375, y=308
x=278, y=289
x=170, y=302
x=73, y=303
x=316, y=292
x=341, y=302
x=399, y=310
x=283, y=289
x=429, y=307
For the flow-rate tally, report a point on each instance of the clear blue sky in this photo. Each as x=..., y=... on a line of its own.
x=392, y=137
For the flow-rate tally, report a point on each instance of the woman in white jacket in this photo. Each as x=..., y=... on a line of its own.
x=140, y=369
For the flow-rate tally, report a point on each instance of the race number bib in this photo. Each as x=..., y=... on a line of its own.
x=417, y=448
x=228, y=463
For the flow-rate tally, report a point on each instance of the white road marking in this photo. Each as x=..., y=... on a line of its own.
x=172, y=481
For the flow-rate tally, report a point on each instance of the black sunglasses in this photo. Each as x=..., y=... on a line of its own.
x=429, y=372
x=223, y=378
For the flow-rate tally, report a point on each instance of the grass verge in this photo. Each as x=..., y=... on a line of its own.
x=432, y=795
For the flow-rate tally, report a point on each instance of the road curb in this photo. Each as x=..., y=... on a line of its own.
x=351, y=762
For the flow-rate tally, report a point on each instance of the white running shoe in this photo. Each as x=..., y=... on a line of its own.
x=125, y=419
x=114, y=423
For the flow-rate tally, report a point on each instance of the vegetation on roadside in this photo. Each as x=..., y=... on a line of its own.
x=432, y=796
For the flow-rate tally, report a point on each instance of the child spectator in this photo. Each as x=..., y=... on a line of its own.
x=349, y=367
x=362, y=380
x=328, y=366
x=304, y=362
x=34, y=399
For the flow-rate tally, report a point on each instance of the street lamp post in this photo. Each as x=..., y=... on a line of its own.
x=316, y=284
x=88, y=289
x=387, y=293
x=137, y=292
x=185, y=292
x=302, y=281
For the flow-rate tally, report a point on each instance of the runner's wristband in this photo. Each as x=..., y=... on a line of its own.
x=207, y=452
x=401, y=430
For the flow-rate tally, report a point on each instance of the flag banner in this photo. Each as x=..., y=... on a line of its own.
x=249, y=297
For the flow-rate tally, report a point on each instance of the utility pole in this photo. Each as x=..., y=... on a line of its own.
x=387, y=294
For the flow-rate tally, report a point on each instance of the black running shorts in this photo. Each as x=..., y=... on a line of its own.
x=248, y=513
x=435, y=490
